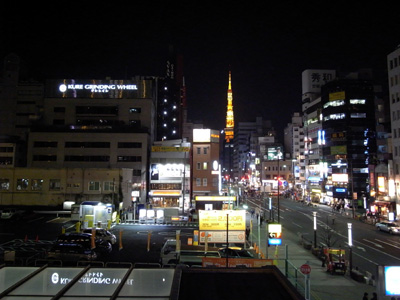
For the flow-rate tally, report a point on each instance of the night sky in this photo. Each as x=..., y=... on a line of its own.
x=266, y=46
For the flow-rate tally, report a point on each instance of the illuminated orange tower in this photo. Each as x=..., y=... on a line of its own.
x=229, y=114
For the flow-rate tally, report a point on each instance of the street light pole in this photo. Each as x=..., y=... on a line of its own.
x=350, y=242
x=315, y=228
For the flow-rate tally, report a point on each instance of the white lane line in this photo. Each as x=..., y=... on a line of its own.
x=389, y=244
x=297, y=225
x=375, y=244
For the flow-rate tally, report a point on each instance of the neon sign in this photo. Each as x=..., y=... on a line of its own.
x=96, y=88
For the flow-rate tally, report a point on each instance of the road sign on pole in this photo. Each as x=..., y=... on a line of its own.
x=305, y=269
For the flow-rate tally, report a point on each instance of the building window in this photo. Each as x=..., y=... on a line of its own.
x=205, y=150
x=59, y=109
x=87, y=145
x=55, y=185
x=205, y=165
x=198, y=181
x=37, y=184
x=198, y=166
x=204, y=181
x=4, y=184
x=137, y=172
x=129, y=159
x=44, y=144
x=87, y=158
x=109, y=186
x=215, y=182
x=44, y=158
x=135, y=110
x=198, y=150
x=6, y=160
x=129, y=145
x=94, y=186
x=22, y=184
x=358, y=115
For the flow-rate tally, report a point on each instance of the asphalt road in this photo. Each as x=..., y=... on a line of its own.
x=370, y=246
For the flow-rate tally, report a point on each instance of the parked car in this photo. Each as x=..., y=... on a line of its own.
x=390, y=227
x=103, y=234
x=72, y=252
x=103, y=247
x=235, y=252
x=11, y=214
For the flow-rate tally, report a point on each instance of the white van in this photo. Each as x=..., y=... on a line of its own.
x=188, y=255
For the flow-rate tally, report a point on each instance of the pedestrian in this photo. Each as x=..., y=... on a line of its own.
x=247, y=233
x=365, y=297
x=374, y=296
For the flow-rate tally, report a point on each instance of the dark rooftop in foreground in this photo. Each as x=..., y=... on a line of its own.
x=232, y=284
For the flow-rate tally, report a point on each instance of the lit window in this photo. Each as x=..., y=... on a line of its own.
x=358, y=115
x=357, y=101
x=334, y=103
x=22, y=184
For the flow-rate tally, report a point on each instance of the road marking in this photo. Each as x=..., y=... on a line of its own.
x=358, y=247
x=297, y=225
x=375, y=244
x=389, y=244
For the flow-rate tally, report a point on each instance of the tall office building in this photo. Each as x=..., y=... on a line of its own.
x=171, y=99
x=348, y=136
x=393, y=63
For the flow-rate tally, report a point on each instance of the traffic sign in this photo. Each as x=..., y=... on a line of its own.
x=305, y=269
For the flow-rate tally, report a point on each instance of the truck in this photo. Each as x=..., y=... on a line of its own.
x=188, y=254
x=171, y=215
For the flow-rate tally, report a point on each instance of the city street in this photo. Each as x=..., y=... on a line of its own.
x=370, y=247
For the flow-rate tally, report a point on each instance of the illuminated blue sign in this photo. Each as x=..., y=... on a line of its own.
x=275, y=241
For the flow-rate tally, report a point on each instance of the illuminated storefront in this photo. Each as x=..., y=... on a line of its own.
x=170, y=175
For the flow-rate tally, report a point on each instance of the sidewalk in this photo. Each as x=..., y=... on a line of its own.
x=323, y=286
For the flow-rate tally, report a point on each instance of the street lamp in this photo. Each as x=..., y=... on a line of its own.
x=350, y=245
x=315, y=228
